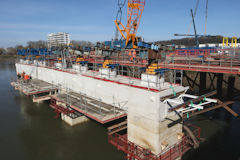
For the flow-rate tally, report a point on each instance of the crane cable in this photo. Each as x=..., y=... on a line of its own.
x=206, y=17
x=195, y=12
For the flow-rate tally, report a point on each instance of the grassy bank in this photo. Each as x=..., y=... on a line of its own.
x=8, y=56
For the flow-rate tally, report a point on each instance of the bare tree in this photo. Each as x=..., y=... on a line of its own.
x=11, y=51
x=81, y=43
x=37, y=44
x=19, y=47
x=2, y=51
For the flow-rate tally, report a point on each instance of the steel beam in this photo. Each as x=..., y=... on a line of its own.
x=192, y=101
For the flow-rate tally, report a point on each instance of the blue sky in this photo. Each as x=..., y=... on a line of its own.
x=25, y=20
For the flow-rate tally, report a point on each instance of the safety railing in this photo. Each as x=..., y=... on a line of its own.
x=134, y=151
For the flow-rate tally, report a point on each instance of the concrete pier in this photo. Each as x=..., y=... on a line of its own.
x=107, y=98
x=72, y=121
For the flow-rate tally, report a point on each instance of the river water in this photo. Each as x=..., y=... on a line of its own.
x=29, y=131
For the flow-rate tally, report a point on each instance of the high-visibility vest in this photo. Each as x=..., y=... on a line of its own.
x=26, y=77
x=132, y=53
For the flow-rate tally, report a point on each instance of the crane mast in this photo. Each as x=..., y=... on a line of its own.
x=119, y=16
x=134, y=13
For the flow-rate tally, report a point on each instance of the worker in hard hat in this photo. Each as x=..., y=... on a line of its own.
x=22, y=75
x=26, y=78
x=18, y=75
x=132, y=53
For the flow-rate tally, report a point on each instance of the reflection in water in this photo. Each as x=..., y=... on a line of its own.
x=221, y=131
x=30, y=131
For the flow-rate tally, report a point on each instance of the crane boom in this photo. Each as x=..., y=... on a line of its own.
x=121, y=4
x=134, y=13
x=195, y=30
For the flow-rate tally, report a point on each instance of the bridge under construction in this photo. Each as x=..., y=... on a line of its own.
x=148, y=98
x=134, y=87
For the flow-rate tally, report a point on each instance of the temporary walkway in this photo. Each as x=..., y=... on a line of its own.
x=214, y=64
x=92, y=108
x=34, y=86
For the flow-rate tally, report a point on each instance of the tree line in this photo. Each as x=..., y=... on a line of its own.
x=42, y=44
x=191, y=41
x=30, y=44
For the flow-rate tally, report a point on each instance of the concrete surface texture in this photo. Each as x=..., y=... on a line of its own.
x=146, y=113
x=73, y=121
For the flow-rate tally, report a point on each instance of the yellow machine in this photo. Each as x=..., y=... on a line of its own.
x=134, y=13
x=79, y=59
x=59, y=59
x=233, y=42
x=151, y=69
x=106, y=62
x=225, y=41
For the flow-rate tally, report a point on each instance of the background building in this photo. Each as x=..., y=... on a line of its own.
x=58, y=39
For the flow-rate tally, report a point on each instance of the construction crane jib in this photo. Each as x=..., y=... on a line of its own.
x=134, y=13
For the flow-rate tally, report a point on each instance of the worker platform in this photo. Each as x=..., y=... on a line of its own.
x=92, y=108
x=68, y=115
x=40, y=90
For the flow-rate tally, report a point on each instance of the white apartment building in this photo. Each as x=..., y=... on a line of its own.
x=57, y=39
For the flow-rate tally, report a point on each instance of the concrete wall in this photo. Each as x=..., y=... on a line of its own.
x=146, y=113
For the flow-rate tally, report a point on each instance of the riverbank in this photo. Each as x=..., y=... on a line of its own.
x=7, y=56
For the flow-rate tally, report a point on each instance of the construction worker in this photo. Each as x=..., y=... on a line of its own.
x=22, y=75
x=132, y=53
x=18, y=75
x=26, y=78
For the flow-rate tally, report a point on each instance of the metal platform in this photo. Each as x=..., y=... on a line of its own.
x=34, y=87
x=133, y=151
x=92, y=108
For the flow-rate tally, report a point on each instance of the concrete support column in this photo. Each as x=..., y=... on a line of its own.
x=230, y=90
x=219, y=85
x=203, y=81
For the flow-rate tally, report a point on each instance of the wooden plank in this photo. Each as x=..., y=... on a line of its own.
x=209, y=109
x=228, y=109
x=117, y=125
x=117, y=130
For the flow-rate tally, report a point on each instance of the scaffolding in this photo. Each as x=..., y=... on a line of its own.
x=133, y=151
